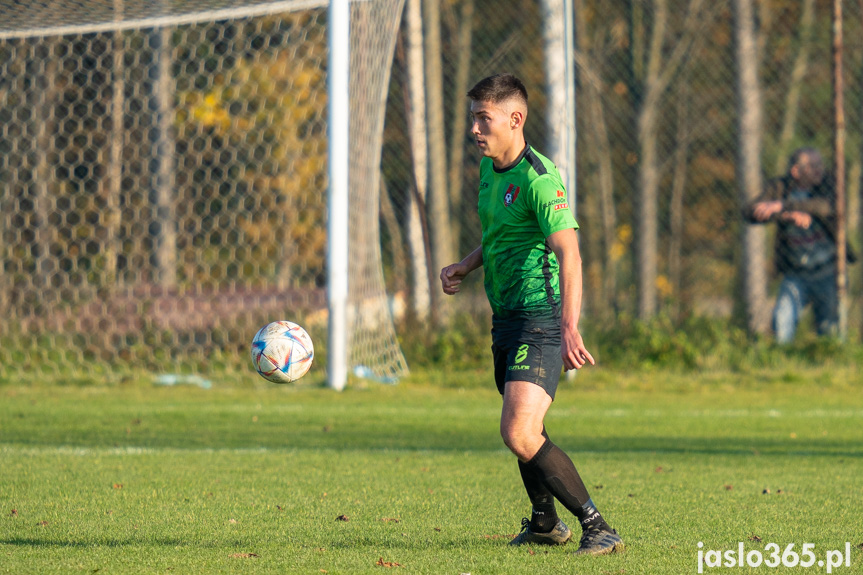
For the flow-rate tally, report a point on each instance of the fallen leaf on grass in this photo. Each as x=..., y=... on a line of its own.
x=729, y=487
x=437, y=529
x=118, y=486
x=390, y=520
x=755, y=538
x=14, y=513
x=343, y=518
x=243, y=555
x=43, y=523
x=232, y=520
x=659, y=469
x=382, y=563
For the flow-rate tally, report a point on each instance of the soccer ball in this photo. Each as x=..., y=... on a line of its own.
x=282, y=352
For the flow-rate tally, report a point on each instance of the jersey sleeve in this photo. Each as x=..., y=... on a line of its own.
x=551, y=206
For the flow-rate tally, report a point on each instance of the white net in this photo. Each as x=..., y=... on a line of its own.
x=163, y=170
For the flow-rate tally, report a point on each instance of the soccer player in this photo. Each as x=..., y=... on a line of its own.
x=532, y=266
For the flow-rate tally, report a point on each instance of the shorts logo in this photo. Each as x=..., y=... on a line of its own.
x=510, y=195
x=522, y=353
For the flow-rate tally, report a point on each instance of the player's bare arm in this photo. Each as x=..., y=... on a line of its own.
x=452, y=275
x=564, y=244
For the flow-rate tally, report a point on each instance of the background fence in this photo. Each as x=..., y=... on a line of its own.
x=220, y=129
x=658, y=136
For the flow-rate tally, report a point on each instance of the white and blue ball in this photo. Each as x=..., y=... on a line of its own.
x=282, y=352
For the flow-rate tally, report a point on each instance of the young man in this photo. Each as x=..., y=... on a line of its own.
x=532, y=267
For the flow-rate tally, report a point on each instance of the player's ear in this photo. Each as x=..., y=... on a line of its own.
x=516, y=119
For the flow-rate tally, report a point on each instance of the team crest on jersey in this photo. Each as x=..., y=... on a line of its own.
x=510, y=195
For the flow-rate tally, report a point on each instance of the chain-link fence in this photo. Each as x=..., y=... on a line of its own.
x=660, y=134
x=163, y=186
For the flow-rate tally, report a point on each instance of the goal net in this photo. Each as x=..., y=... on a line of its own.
x=163, y=183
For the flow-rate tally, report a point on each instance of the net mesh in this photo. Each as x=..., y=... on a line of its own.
x=164, y=174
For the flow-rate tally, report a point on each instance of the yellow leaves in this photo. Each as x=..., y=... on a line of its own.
x=210, y=112
x=621, y=243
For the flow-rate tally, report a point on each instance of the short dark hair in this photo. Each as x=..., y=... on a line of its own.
x=799, y=154
x=497, y=89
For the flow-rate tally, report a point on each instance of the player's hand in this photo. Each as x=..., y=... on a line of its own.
x=799, y=219
x=763, y=211
x=452, y=276
x=573, y=352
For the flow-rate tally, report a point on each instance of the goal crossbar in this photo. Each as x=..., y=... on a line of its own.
x=12, y=27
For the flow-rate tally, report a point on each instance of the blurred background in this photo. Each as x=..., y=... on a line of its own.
x=163, y=175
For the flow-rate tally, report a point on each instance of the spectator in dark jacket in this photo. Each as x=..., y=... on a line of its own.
x=802, y=204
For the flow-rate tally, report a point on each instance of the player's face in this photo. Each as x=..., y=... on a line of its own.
x=492, y=129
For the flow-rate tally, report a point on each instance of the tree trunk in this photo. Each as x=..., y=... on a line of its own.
x=45, y=233
x=795, y=86
x=416, y=199
x=438, y=214
x=397, y=243
x=646, y=221
x=658, y=76
x=166, y=241
x=753, y=268
x=678, y=187
x=459, y=124
x=115, y=167
x=601, y=150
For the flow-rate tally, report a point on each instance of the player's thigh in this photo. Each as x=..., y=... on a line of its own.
x=524, y=407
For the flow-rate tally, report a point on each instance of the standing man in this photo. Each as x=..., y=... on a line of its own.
x=802, y=203
x=532, y=267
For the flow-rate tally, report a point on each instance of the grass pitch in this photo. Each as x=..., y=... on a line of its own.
x=414, y=478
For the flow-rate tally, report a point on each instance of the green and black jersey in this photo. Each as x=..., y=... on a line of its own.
x=519, y=208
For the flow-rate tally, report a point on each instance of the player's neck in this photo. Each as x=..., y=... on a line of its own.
x=512, y=154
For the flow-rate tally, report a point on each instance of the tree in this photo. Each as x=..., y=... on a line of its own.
x=749, y=106
x=590, y=60
x=658, y=74
x=438, y=211
x=418, y=134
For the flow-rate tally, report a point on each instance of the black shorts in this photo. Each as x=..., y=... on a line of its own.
x=527, y=350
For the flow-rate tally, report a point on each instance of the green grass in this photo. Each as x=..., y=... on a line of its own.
x=248, y=478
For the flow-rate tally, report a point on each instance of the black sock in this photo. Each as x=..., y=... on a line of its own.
x=591, y=518
x=563, y=481
x=543, y=517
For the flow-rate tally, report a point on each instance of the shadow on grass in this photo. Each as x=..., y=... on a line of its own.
x=430, y=440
